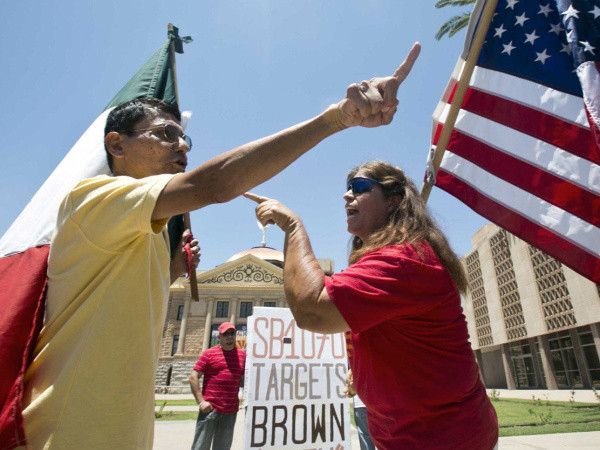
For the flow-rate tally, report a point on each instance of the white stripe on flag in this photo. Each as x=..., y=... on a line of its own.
x=534, y=95
x=547, y=157
x=590, y=84
x=577, y=231
x=456, y=74
x=35, y=225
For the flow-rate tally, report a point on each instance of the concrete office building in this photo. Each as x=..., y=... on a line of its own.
x=533, y=322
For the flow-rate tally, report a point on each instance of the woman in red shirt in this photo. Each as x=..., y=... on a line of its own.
x=412, y=363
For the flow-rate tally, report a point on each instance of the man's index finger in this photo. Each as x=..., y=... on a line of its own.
x=404, y=69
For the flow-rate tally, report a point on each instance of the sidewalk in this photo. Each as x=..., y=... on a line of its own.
x=179, y=434
x=561, y=441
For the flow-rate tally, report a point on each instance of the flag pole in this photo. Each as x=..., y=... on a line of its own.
x=186, y=217
x=459, y=95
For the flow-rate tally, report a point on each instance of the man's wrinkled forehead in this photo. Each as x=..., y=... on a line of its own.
x=154, y=115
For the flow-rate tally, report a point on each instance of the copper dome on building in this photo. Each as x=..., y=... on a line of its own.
x=265, y=253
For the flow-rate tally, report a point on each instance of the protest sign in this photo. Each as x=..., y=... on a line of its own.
x=294, y=385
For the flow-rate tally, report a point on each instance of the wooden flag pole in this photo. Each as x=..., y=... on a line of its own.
x=459, y=95
x=186, y=217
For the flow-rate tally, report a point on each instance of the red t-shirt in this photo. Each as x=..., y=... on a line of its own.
x=222, y=371
x=413, y=366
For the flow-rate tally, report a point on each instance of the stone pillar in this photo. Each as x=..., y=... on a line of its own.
x=183, y=326
x=536, y=365
x=547, y=364
x=507, y=363
x=209, y=317
x=477, y=354
x=580, y=358
x=596, y=334
x=233, y=311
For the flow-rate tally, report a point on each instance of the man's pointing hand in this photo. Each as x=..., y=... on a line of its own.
x=373, y=103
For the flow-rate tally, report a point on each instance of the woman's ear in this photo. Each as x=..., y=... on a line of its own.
x=393, y=203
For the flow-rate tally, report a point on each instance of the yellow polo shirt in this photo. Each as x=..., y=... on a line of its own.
x=91, y=383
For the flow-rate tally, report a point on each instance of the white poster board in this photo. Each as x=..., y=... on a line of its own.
x=294, y=385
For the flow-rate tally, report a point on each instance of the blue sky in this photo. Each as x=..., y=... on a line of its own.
x=255, y=67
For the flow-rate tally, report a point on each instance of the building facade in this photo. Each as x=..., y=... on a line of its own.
x=227, y=293
x=533, y=322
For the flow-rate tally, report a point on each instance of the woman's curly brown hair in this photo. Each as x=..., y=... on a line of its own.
x=408, y=222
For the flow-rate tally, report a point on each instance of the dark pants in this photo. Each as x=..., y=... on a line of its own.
x=360, y=418
x=214, y=428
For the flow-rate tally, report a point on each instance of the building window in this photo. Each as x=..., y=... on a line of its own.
x=588, y=348
x=245, y=309
x=222, y=309
x=514, y=321
x=175, y=344
x=479, y=300
x=522, y=361
x=270, y=304
x=180, y=312
x=553, y=291
x=565, y=364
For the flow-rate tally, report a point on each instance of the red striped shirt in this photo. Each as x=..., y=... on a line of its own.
x=222, y=371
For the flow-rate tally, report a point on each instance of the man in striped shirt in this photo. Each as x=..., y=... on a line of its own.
x=222, y=367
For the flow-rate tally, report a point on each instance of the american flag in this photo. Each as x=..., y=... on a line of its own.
x=524, y=151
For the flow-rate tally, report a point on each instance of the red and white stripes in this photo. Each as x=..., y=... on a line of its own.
x=523, y=155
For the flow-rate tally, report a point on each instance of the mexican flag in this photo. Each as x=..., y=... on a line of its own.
x=25, y=246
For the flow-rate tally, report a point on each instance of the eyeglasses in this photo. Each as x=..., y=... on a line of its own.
x=229, y=333
x=359, y=185
x=170, y=133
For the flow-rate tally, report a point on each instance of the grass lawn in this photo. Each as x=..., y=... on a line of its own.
x=177, y=415
x=515, y=417
x=190, y=402
x=193, y=415
x=522, y=417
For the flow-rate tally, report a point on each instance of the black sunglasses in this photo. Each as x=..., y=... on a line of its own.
x=359, y=185
x=170, y=133
x=229, y=333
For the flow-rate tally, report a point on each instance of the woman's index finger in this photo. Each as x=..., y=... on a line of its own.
x=254, y=197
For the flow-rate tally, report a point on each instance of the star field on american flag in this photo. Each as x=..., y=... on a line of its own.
x=543, y=41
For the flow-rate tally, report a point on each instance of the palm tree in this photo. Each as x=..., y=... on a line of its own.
x=456, y=23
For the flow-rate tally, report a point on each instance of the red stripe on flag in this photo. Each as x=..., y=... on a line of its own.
x=556, y=246
x=451, y=97
x=22, y=294
x=591, y=89
x=438, y=132
x=452, y=85
x=539, y=124
x=594, y=128
x=555, y=190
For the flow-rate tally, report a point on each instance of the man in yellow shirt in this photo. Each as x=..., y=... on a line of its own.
x=91, y=383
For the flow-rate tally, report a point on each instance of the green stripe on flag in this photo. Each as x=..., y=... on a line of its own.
x=155, y=79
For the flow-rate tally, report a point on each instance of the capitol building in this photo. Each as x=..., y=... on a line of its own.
x=227, y=293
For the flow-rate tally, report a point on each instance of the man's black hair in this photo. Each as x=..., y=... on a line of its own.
x=126, y=116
